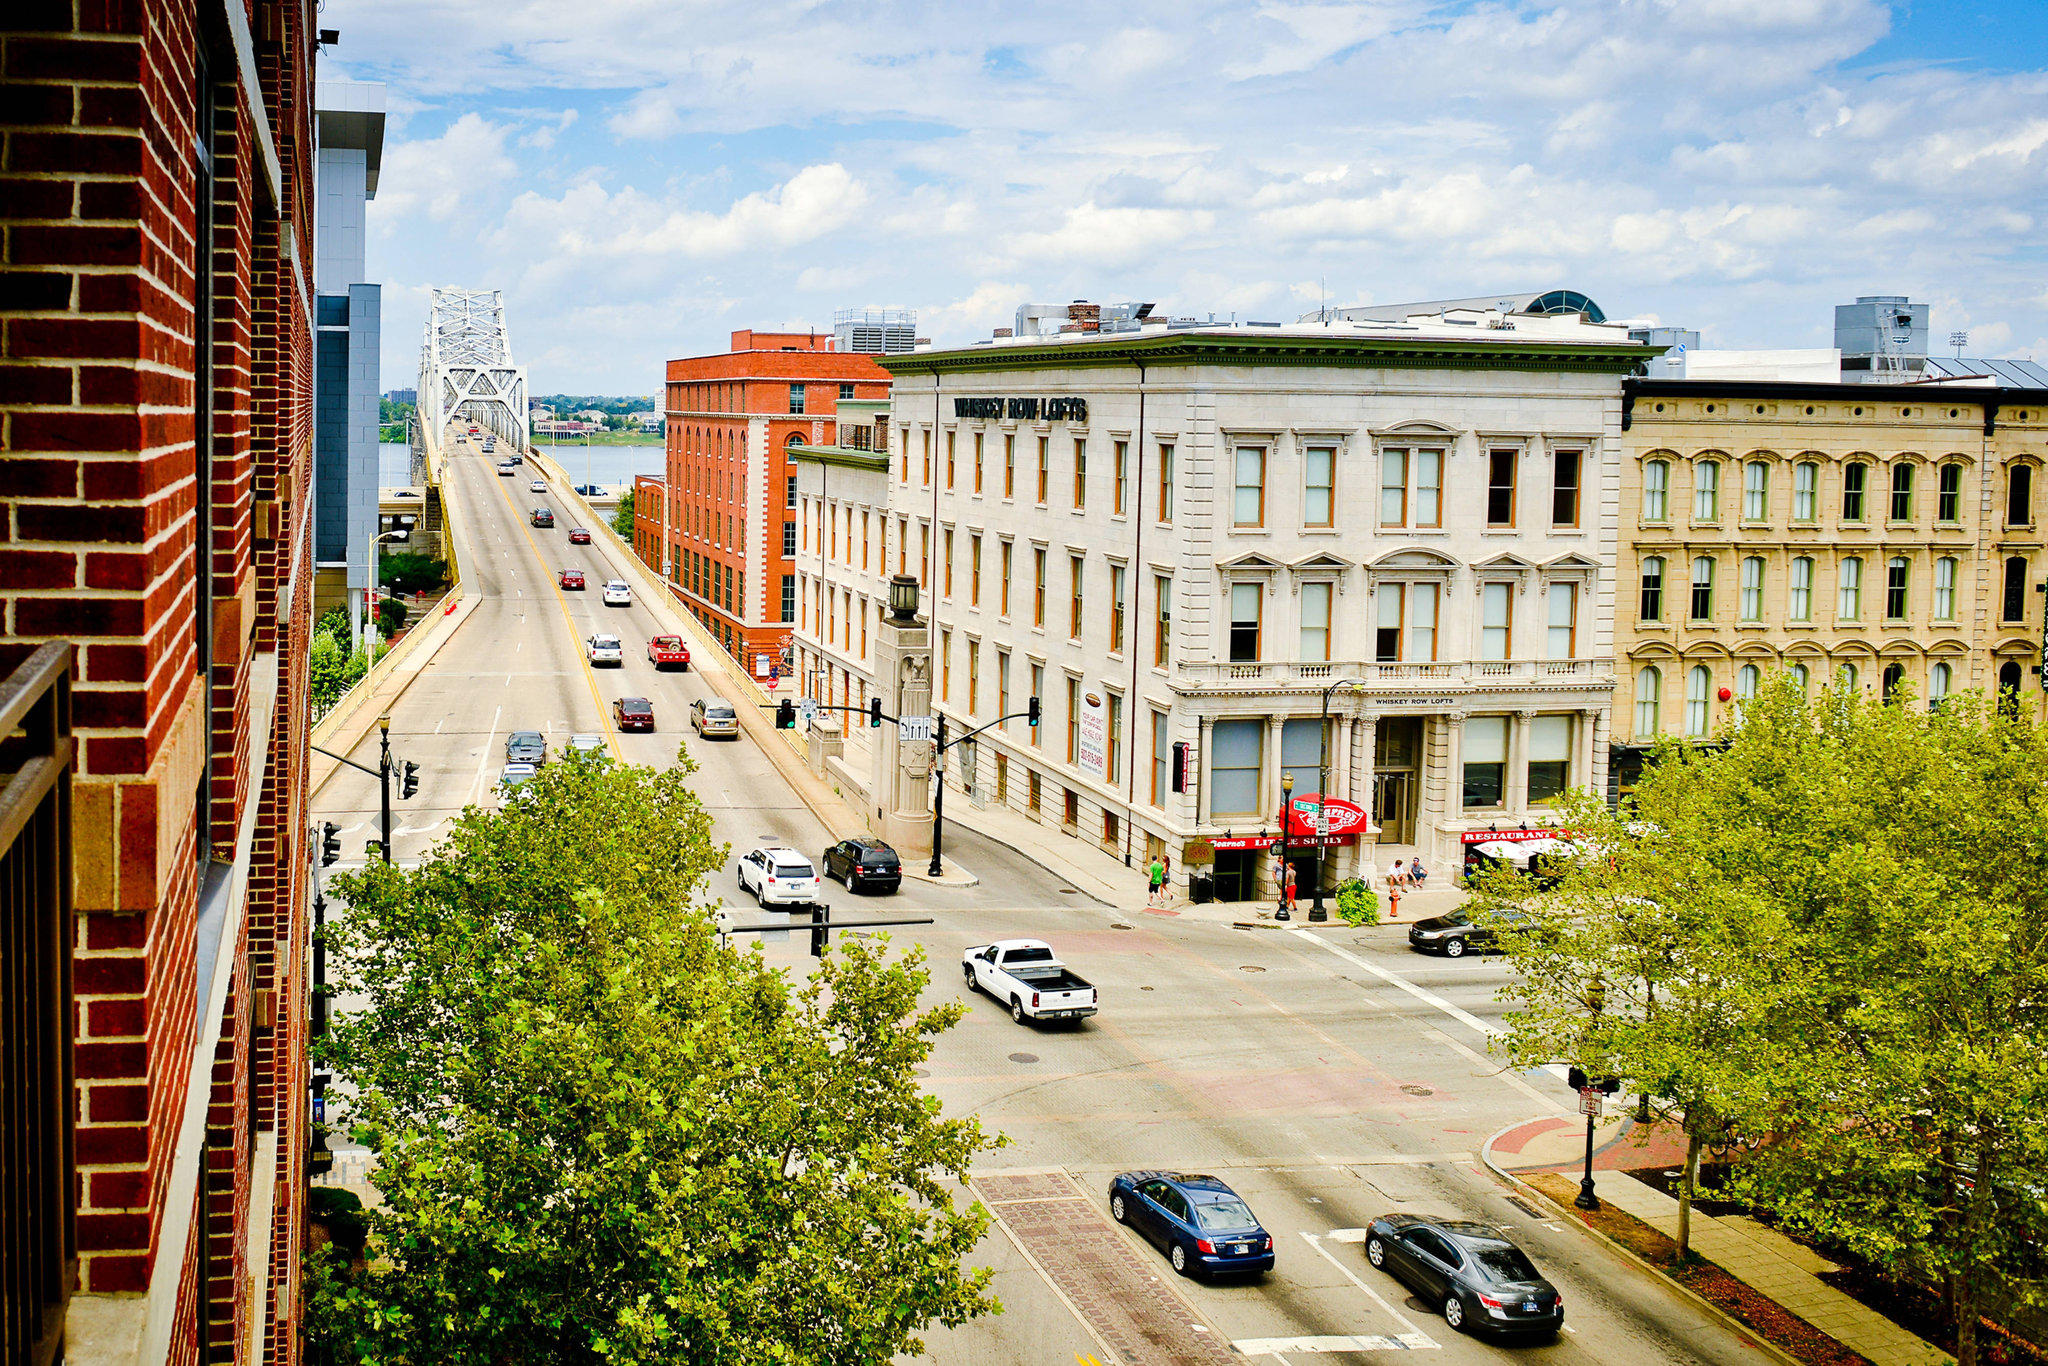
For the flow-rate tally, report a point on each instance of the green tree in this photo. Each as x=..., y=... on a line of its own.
x=408, y=571
x=602, y=1137
x=622, y=516
x=1830, y=935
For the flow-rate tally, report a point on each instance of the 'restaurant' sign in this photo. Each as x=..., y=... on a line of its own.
x=1068, y=409
x=1512, y=836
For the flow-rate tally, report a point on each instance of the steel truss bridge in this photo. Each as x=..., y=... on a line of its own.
x=467, y=373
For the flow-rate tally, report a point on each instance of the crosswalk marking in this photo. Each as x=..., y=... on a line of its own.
x=1262, y=1347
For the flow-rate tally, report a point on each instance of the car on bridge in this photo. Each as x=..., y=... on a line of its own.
x=606, y=650
x=618, y=593
x=526, y=747
x=663, y=651
x=711, y=716
x=578, y=536
x=584, y=742
x=633, y=713
x=538, y=486
x=1201, y=1224
x=512, y=779
x=505, y=468
x=543, y=517
x=1472, y=1272
x=572, y=579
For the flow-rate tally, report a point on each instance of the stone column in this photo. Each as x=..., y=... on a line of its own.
x=1453, y=804
x=1593, y=721
x=1515, y=800
x=1269, y=771
x=899, y=784
x=1202, y=751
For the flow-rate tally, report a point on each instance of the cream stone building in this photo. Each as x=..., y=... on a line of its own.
x=1877, y=535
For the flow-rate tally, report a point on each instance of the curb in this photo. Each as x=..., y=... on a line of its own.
x=1698, y=1301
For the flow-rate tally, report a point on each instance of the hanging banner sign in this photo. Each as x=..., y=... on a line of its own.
x=1092, y=736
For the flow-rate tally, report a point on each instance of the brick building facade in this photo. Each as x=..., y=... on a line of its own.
x=730, y=515
x=155, y=511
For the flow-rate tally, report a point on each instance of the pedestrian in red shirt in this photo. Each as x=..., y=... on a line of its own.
x=1290, y=889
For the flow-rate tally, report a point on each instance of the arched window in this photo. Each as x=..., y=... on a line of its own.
x=1845, y=677
x=1656, y=490
x=1898, y=573
x=2019, y=496
x=1799, y=606
x=1756, y=491
x=1889, y=680
x=1803, y=678
x=1746, y=680
x=1753, y=588
x=1938, y=681
x=1805, y=491
x=1902, y=491
x=1855, y=480
x=2009, y=687
x=1699, y=680
x=2014, y=607
x=1649, y=691
x=1703, y=588
x=1849, y=601
x=1706, y=491
x=795, y=439
x=1945, y=588
x=1652, y=608
x=1949, y=506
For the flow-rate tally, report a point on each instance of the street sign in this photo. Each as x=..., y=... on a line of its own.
x=1590, y=1098
x=808, y=709
x=911, y=730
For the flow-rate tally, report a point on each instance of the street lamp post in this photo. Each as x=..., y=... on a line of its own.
x=1316, y=913
x=363, y=618
x=1596, y=1001
x=1286, y=804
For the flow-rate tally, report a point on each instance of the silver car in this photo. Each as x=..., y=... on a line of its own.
x=714, y=716
x=585, y=743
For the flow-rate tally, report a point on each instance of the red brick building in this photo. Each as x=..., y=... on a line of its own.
x=730, y=522
x=155, y=518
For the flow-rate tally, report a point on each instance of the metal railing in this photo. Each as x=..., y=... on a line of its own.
x=1479, y=673
x=38, y=1234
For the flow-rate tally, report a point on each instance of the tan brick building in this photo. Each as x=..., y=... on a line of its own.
x=1885, y=534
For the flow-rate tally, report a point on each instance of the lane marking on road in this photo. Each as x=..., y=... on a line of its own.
x=1272, y=1347
x=1414, y=1339
x=476, y=787
x=1464, y=1017
x=1495, y=1069
x=604, y=719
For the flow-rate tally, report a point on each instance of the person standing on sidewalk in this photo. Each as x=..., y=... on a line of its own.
x=1157, y=874
x=1290, y=889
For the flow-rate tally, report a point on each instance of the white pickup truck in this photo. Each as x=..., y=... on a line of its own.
x=1024, y=974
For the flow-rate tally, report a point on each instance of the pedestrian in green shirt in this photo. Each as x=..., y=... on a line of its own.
x=1157, y=872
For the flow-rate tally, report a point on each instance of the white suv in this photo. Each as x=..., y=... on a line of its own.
x=781, y=877
x=606, y=650
x=618, y=593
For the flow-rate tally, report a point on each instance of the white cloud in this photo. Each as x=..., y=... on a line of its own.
x=436, y=173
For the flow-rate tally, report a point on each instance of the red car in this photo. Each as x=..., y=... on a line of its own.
x=578, y=536
x=663, y=651
x=572, y=578
x=633, y=713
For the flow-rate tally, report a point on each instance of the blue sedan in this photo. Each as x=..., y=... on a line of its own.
x=1199, y=1222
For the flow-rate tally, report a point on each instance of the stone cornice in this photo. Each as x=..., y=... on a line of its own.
x=1498, y=351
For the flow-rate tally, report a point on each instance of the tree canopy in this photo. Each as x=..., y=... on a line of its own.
x=1826, y=934
x=602, y=1137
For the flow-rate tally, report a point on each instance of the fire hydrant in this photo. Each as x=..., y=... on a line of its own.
x=1393, y=903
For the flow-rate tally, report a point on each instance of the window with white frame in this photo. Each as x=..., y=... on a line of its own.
x=1849, y=597
x=1496, y=620
x=1315, y=621
x=1564, y=620
x=1945, y=588
x=1406, y=630
x=1649, y=693
x=1752, y=589
x=1756, y=491
x=1411, y=486
x=1706, y=491
x=1656, y=490
x=1699, y=682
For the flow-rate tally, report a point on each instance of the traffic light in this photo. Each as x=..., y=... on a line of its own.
x=820, y=931
x=409, y=782
x=874, y=711
x=1031, y=712
x=785, y=715
x=330, y=843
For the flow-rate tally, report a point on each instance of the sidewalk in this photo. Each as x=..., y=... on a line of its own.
x=1770, y=1263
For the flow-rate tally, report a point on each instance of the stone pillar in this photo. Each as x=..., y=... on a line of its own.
x=1337, y=781
x=1269, y=771
x=1208, y=736
x=1453, y=804
x=900, y=775
x=1593, y=721
x=1515, y=800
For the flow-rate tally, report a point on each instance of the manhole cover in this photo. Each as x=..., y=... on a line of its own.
x=1023, y=1057
x=1249, y=967
x=1418, y=1090
x=1119, y=925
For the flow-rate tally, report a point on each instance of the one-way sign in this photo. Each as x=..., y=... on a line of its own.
x=911, y=730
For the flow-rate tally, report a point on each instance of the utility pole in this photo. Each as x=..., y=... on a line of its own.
x=938, y=795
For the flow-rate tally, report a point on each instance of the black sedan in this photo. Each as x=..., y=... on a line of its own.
x=543, y=517
x=1456, y=934
x=864, y=865
x=1481, y=1281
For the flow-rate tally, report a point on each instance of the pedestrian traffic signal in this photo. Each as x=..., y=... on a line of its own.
x=330, y=843
x=874, y=711
x=1031, y=712
x=785, y=715
x=409, y=783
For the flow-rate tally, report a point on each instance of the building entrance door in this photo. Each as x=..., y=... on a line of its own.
x=1397, y=753
x=1237, y=874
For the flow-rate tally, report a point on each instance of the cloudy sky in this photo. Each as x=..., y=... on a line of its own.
x=643, y=176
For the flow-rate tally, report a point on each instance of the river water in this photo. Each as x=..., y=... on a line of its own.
x=609, y=467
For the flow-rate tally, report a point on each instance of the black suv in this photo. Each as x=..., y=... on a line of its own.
x=543, y=517
x=863, y=865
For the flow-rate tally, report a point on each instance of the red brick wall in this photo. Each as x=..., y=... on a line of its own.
x=103, y=514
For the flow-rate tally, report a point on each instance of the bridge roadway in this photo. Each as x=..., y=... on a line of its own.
x=1305, y=1069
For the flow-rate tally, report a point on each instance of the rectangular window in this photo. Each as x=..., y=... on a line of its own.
x=1044, y=468
x=1315, y=621
x=1080, y=474
x=1703, y=589
x=1003, y=584
x=946, y=563
x=1244, y=622
x=1656, y=490
x=1032, y=783
x=973, y=675
x=789, y=597
x=1076, y=569
x=1652, y=604
x=974, y=571
x=1162, y=620
x=1162, y=759
x=846, y=391
x=945, y=666
x=1485, y=756
x=1166, y=481
x=1428, y=503
x=1564, y=489
x=789, y=493
x=796, y=398
x=1003, y=685
x=1393, y=487
x=1756, y=491
x=789, y=538
x=1950, y=508
x=1319, y=491
x=1706, y=491
x=1897, y=575
x=924, y=555
x=925, y=433
x=1564, y=620
x=1073, y=718
x=1945, y=589
x=1009, y=465
x=950, y=434
x=1496, y=620
x=1406, y=630
x=1302, y=753
x=1805, y=491
x=1500, y=488
x=1037, y=586
x=1037, y=731
x=1119, y=472
x=1116, y=609
x=1849, y=600
x=1799, y=590
x=902, y=545
x=1752, y=598
x=1855, y=480
x=1115, y=718
x=1550, y=757
x=1902, y=492
x=1248, y=505
x=864, y=540
x=1236, y=749
x=977, y=461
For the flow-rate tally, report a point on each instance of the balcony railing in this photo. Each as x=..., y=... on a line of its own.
x=38, y=1238
x=1463, y=673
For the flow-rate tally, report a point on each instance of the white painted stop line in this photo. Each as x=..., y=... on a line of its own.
x=1260, y=1347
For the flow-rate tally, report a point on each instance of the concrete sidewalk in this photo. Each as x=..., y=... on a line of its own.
x=1777, y=1267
